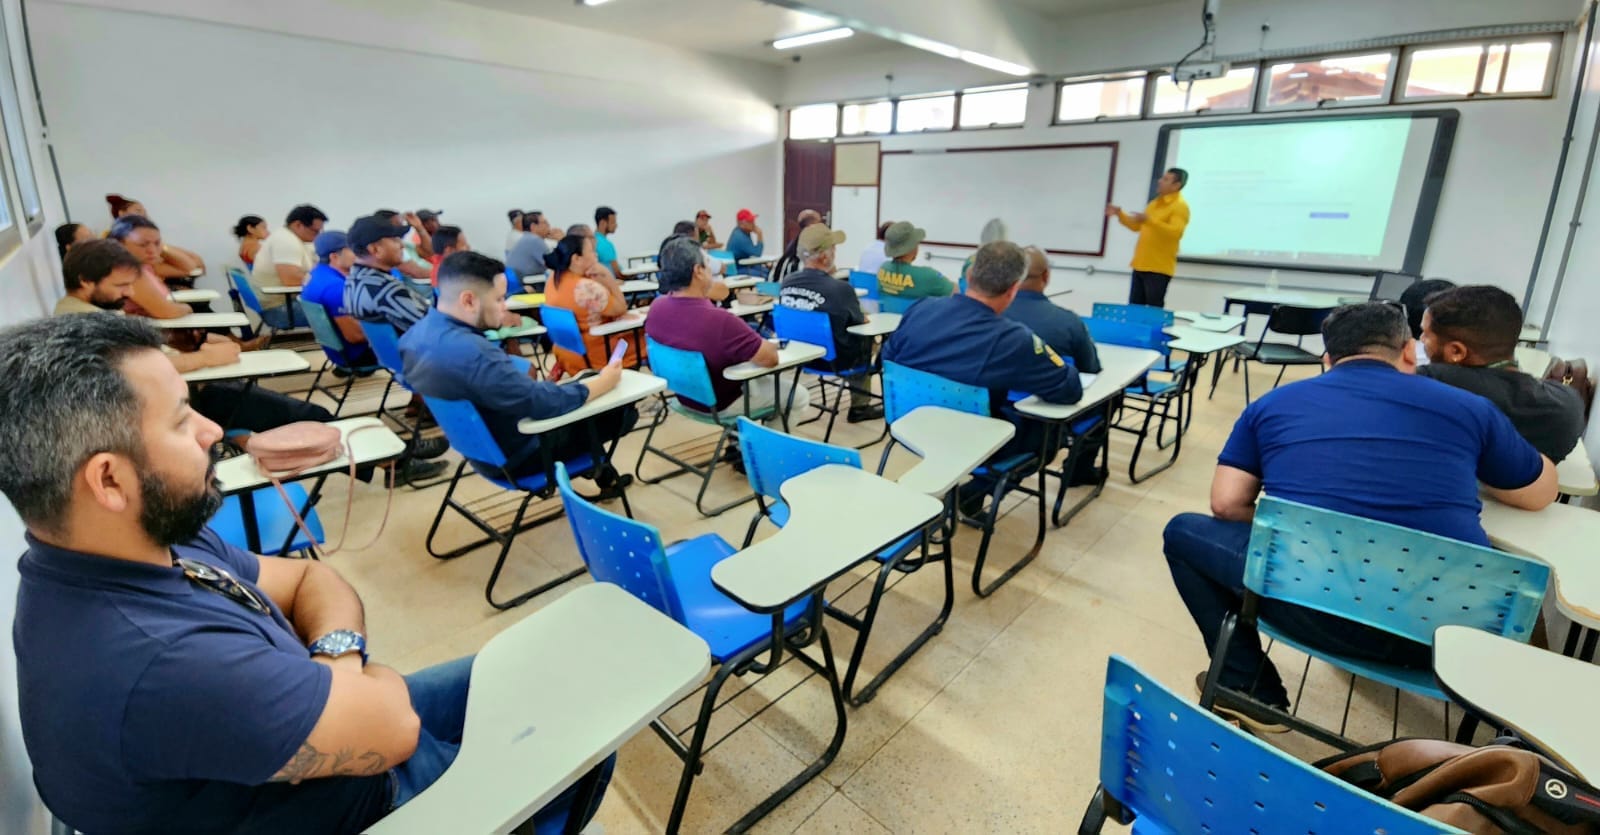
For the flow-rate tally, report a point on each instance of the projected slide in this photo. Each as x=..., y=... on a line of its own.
x=1337, y=193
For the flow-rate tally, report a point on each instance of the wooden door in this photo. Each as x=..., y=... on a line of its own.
x=807, y=183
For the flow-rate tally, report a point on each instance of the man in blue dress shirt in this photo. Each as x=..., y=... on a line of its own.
x=1059, y=327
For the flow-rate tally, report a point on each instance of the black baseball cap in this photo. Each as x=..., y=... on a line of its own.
x=368, y=230
x=429, y=214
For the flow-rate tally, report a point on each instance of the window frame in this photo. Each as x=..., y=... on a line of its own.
x=788, y=122
x=955, y=113
x=1055, y=107
x=1157, y=76
x=894, y=111
x=1391, y=84
x=961, y=97
x=1408, y=54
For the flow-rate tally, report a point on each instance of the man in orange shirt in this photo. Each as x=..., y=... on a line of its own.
x=1160, y=227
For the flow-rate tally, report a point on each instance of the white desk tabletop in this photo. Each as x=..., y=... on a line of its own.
x=878, y=324
x=1197, y=341
x=641, y=286
x=521, y=301
x=282, y=290
x=796, y=353
x=204, y=320
x=1532, y=360
x=526, y=329
x=633, y=321
x=195, y=296
x=643, y=256
x=1119, y=367
x=1561, y=536
x=252, y=364
x=1575, y=473
x=634, y=386
x=1219, y=322
x=1546, y=697
x=370, y=446
x=1294, y=298
x=642, y=269
x=740, y=282
x=839, y=516
x=531, y=735
x=757, y=260
x=952, y=444
x=742, y=310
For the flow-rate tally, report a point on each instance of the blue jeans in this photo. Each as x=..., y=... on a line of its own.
x=278, y=318
x=1207, y=556
x=439, y=696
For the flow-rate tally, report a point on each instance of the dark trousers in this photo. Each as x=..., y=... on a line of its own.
x=1207, y=557
x=573, y=440
x=235, y=406
x=1148, y=288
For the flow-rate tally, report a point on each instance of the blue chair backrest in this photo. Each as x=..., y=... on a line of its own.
x=770, y=288
x=620, y=550
x=906, y=389
x=385, y=343
x=1135, y=314
x=1182, y=769
x=686, y=372
x=564, y=331
x=895, y=304
x=722, y=254
x=810, y=326
x=463, y=426
x=772, y=457
x=1130, y=334
x=241, y=285
x=864, y=281
x=322, y=326
x=1388, y=577
x=512, y=280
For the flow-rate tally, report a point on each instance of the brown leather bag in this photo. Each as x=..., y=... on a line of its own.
x=1574, y=373
x=1492, y=790
x=291, y=449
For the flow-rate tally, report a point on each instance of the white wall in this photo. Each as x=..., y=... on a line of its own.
x=242, y=107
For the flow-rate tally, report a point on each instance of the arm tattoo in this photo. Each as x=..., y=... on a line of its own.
x=308, y=763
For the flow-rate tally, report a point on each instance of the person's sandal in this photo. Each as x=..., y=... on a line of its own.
x=1237, y=716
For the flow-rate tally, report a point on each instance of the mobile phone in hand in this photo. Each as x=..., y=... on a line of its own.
x=619, y=352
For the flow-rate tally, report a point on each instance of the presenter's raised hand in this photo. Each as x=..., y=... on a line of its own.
x=1113, y=211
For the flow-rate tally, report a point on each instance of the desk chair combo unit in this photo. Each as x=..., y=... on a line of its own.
x=1397, y=580
x=328, y=336
x=385, y=344
x=1139, y=326
x=245, y=298
x=814, y=327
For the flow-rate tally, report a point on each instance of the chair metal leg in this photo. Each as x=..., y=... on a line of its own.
x=684, y=466
x=1212, y=693
x=1144, y=432
x=1074, y=451
x=978, y=587
x=691, y=756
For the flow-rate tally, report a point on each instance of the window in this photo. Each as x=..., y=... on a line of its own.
x=1106, y=98
x=873, y=117
x=988, y=107
x=928, y=113
x=1350, y=79
x=1522, y=68
x=814, y=121
x=1231, y=93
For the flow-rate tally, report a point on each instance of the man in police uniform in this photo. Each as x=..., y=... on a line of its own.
x=966, y=339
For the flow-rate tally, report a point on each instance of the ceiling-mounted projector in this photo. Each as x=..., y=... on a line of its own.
x=1196, y=72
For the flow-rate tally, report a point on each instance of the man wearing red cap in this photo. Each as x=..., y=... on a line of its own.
x=747, y=242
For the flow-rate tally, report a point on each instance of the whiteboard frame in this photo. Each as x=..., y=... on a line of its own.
x=1111, y=185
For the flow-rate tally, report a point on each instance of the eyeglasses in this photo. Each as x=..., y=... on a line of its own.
x=219, y=581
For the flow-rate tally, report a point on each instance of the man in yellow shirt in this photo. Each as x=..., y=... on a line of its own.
x=1160, y=227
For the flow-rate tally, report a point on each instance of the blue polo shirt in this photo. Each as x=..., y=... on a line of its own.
x=325, y=286
x=1369, y=440
x=449, y=359
x=1059, y=327
x=152, y=705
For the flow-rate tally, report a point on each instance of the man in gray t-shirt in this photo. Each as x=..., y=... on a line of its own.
x=526, y=258
x=1470, y=334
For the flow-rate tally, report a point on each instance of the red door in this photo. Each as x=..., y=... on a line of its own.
x=807, y=182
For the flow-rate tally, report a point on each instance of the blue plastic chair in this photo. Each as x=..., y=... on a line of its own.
x=865, y=281
x=277, y=534
x=333, y=348
x=565, y=332
x=772, y=458
x=1394, y=579
x=895, y=304
x=815, y=327
x=1175, y=769
x=385, y=344
x=464, y=427
x=906, y=389
x=244, y=293
x=688, y=376
x=1161, y=400
x=675, y=579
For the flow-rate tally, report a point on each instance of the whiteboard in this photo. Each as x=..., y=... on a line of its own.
x=1052, y=196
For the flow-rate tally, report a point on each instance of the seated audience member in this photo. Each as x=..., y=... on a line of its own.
x=210, y=689
x=69, y=235
x=703, y=233
x=968, y=339
x=994, y=230
x=681, y=229
x=580, y=284
x=286, y=259
x=683, y=317
x=151, y=296
x=447, y=240
x=789, y=261
x=873, y=257
x=1368, y=438
x=901, y=278
x=1415, y=300
x=326, y=287
x=411, y=266
x=1059, y=327
x=447, y=357
x=582, y=230
x=747, y=241
x=514, y=216
x=372, y=292
x=177, y=265
x=605, y=225
x=420, y=240
x=251, y=230
x=813, y=287
x=1470, y=335
x=526, y=257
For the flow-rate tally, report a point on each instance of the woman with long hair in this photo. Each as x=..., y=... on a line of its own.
x=69, y=235
x=580, y=284
x=251, y=230
x=178, y=266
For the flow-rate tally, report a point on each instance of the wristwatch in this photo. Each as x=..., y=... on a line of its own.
x=340, y=642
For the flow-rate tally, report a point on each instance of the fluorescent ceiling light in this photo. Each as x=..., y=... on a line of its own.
x=991, y=63
x=592, y=2
x=813, y=38
x=935, y=47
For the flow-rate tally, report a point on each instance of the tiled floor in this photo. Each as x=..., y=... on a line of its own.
x=993, y=727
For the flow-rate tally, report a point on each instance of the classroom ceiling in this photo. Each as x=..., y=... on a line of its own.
x=1063, y=9
x=737, y=28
